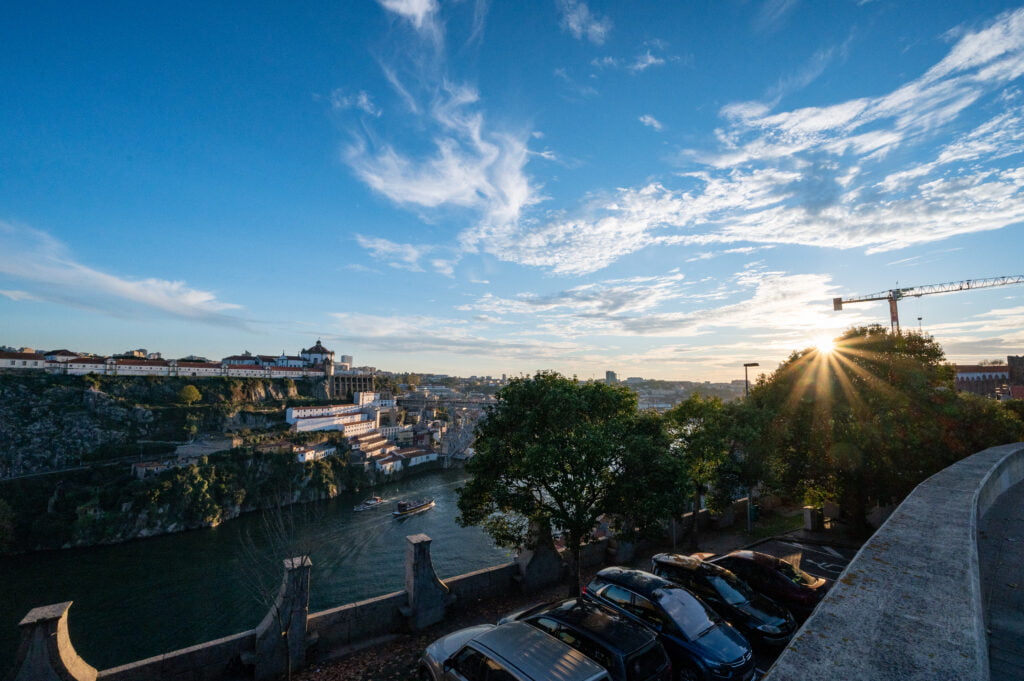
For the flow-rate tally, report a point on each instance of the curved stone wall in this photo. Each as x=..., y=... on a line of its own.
x=909, y=605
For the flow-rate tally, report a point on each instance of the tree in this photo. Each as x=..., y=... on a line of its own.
x=702, y=439
x=559, y=454
x=189, y=395
x=867, y=422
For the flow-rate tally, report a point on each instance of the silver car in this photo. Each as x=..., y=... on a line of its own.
x=508, y=652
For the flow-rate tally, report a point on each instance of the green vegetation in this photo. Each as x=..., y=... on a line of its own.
x=558, y=453
x=109, y=504
x=189, y=395
x=864, y=424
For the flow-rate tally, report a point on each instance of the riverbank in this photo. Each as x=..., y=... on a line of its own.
x=144, y=598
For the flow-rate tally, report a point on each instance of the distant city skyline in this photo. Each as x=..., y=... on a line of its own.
x=666, y=190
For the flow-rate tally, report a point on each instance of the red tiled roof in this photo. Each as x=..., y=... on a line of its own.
x=200, y=365
x=20, y=355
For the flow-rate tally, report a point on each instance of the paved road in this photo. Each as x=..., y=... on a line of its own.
x=1001, y=554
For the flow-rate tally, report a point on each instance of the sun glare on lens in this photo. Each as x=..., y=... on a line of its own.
x=824, y=345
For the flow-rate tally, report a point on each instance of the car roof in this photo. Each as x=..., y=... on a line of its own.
x=677, y=560
x=639, y=581
x=536, y=655
x=600, y=624
x=755, y=557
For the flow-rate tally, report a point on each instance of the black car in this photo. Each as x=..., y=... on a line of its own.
x=764, y=622
x=700, y=643
x=777, y=579
x=629, y=651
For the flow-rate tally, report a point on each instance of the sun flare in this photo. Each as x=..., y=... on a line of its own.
x=824, y=345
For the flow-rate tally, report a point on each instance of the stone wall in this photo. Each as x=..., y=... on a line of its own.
x=909, y=605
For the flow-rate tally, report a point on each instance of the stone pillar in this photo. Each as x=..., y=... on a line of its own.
x=539, y=562
x=281, y=636
x=428, y=596
x=46, y=652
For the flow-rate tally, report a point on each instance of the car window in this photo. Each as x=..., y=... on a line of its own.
x=646, y=663
x=470, y=664
x=689, y=614
x=545, y=624
x=732, y=591
x=475, y=666
x=647, y=610
x=619, y=597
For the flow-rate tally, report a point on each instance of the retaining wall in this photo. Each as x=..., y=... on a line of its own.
x=909, y=605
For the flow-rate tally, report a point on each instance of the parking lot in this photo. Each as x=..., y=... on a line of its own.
x=820, y=560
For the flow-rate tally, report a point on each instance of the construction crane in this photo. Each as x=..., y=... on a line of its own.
x=897, y=294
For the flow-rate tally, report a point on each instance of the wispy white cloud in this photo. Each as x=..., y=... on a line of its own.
x=651, y=122
x=422, y=14
x=50, y=273
x=579, y=21
x=645, y=61
x=773, y=14
x=820, y=176
x=358, y=100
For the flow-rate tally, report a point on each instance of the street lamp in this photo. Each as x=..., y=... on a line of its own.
x=746, y=381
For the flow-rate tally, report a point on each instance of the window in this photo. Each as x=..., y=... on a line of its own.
x=619, y=597
x=475, y=666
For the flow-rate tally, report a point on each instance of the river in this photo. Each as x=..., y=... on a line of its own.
x=147, y=597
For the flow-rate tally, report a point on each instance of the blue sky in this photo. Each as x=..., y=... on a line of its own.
x=661, y=189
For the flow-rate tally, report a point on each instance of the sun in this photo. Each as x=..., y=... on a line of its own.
x=824, y=344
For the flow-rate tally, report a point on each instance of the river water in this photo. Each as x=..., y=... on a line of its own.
x=147, y=597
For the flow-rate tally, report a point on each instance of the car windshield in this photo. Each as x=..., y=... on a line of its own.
x=689, y=614
x=731, y=589
x=795, y=574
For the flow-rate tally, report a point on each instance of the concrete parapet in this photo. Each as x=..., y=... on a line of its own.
x=209, y=661
x=428, y=596
x=484, y=583
x=909, y=605
x=280, y=639
x=45, y=651
x=348, y=624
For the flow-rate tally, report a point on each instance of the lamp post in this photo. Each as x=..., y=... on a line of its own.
x=750, y=495
x=746, y=380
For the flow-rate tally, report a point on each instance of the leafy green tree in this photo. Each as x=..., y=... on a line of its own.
x=189, y=395
x=559, y=453
x=867, y=422
x=701, y=434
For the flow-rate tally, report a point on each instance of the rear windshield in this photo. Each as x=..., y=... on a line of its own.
x=689, y=614
x=645, y=664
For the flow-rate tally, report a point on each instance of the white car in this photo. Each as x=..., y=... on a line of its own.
x=508, y=652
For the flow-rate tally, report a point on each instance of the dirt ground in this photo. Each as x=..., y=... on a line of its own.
x=395, y=657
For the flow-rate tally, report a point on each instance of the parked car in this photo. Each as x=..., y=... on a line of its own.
x=509, y=652
x=629, y=651
x=777, y=579
x=761, y=620
x=700, y=644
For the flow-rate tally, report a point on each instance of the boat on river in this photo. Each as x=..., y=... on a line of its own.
x=367, y=504
x=406, y=508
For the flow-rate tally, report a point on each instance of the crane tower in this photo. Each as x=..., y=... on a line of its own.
x=897, y=294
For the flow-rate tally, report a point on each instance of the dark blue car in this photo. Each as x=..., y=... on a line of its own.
x=702, y=646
